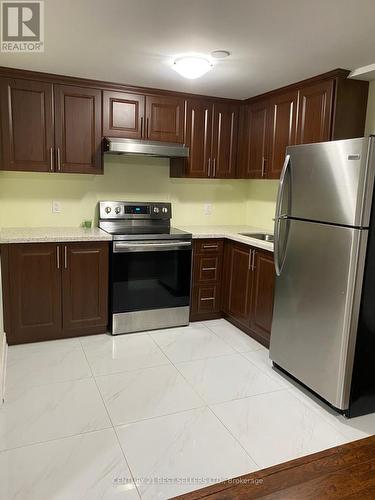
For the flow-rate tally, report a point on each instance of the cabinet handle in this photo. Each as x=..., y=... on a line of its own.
x=146, y=128
x=58, y=257
x=250, y=259
x=208, y=268
x=65, y=257
x=209, y=246
x=142, y=133
x=253, y=261
x=263, y=166
x=207, y=298
x=214, y=168
x=209, y=167
x=58, y=160
x=51, y=159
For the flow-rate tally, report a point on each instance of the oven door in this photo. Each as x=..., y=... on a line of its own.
x=150, y=284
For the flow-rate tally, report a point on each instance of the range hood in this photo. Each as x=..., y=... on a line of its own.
x=134, y=147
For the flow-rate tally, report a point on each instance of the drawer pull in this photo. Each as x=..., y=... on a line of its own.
x=207, y=298
x=208, y=268
x=210, y=246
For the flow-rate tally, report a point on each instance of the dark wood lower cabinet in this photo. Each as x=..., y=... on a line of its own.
x=32, y=298
x=207, y=271
x=84, y=286
x=244, y=284
x=54, y=290
x=262, y=296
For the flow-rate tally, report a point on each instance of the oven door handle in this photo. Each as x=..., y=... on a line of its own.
x=121, y=247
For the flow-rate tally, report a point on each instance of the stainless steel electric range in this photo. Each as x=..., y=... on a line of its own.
x=150, y=267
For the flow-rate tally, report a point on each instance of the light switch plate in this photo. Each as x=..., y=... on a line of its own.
x=56, y=207
x=207, y=209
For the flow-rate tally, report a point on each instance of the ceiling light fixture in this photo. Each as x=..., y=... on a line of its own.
x=192, y=66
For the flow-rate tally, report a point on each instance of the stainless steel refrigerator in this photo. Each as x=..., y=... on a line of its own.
x=323, y=330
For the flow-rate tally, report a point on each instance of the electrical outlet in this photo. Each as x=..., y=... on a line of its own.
x=56, y=207
x=207, y=209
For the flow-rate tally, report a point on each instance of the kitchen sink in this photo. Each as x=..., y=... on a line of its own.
x=259, y=236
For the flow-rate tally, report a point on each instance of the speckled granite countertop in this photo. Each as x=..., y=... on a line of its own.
x=51, y=234
x=230, y=232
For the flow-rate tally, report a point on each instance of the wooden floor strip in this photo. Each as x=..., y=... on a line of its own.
x=343, y=472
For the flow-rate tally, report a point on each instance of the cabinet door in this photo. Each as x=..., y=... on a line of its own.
x=315, y=113
x=78, y=117
x=123, y=115
x=253, y=149
x=26, y=125
x=165, y=119
x=224, y=140
x=283, y=109
x=85, y=287
x=198, y=137
x=237, y=282
x=34, y=292
x=262, y=294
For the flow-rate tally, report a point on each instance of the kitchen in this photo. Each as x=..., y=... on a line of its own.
x=162, y=300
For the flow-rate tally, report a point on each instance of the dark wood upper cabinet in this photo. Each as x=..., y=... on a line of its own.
x=224, y=140
x=33, y=309
x=283, y=118
x=198, y=137
x=262, y=296
x=85, y=282
x=254, y=140
x=78, y=122
x=237, y=282
x=315, y=113
x=26, y=125
x=211, y=135
x=123, y=114
x=165, y=118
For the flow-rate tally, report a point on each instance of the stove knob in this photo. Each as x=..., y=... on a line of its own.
x=156, y=210
x=118, y=210
x=108, y=209
x=164, y=210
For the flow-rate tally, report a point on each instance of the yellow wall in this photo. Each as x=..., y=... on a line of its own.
x=26, y=198
x=260, y=207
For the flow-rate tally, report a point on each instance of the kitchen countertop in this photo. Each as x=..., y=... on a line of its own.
x=51, y=234
x=231, y=233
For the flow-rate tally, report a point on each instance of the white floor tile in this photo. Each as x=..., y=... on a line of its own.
x=277, y=427
x=51, y=411
x=260, y=359
x=186, y=446
x=146, y=393
x=190, y=342
x=351, y=428
x=85, y=467
x=45, y=362
x=233, y=336
x=113, y=354
x=226, y=377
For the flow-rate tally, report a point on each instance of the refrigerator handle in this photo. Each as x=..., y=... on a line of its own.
x=279, y=216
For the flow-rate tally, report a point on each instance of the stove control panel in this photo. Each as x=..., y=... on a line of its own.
x=134, y=210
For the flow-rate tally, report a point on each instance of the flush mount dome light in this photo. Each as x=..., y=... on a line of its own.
x=192, y=66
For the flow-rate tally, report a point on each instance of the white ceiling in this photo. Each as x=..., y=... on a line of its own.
x=272, y=42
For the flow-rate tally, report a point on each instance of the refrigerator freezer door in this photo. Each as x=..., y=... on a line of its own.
x=316, y=309
x=332, y=181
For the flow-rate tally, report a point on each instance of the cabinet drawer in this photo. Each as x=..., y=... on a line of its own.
x=207, y=268
x=205, y=299
x=208, y=246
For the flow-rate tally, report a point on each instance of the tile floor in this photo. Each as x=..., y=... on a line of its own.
x=153, y=415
